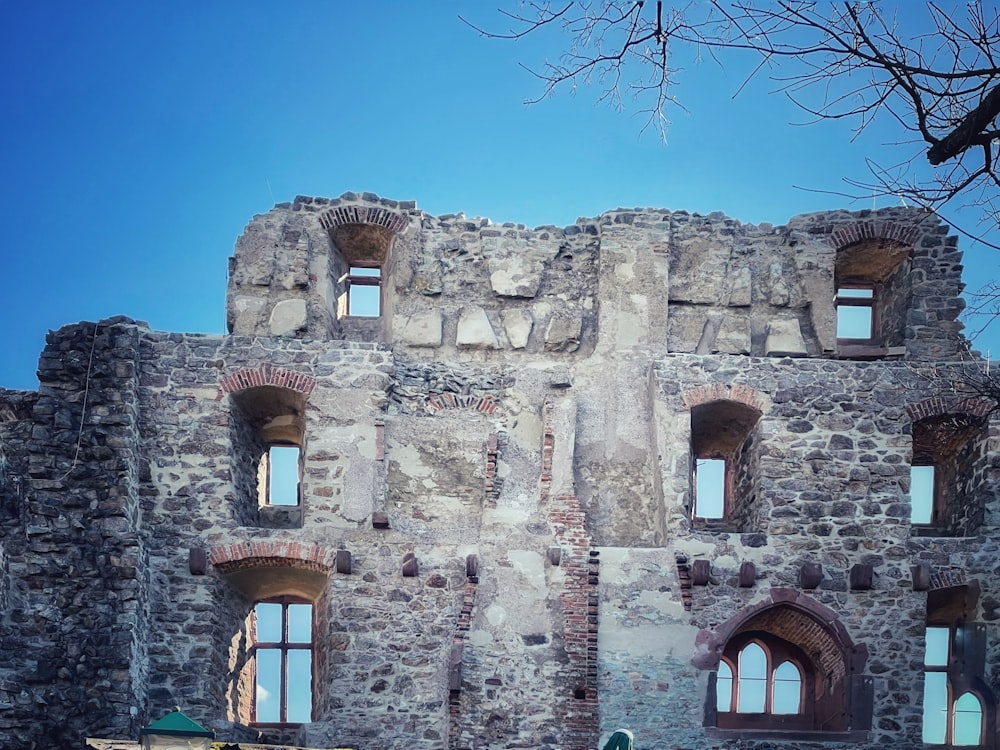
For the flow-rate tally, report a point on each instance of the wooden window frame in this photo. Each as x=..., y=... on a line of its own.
x=355, y=279
x=871, y=303
x=955, y=691
x=284, y=646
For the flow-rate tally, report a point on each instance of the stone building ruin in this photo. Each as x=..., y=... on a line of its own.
x=482, y=486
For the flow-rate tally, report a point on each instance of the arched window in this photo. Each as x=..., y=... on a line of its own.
x=786, y=689
x=967, y=720
x=751, y=680
x=761, y=687
x=782, y=668
x=724, y=687
x=958, y=704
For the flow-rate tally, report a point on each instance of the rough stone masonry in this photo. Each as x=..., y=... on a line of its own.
x=502, y=518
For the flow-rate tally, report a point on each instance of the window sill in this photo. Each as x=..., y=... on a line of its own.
x=865, y=350
x=790, y=735
x=931, y=531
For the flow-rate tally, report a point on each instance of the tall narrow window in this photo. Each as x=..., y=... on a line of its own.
x=856, y=313
x=282, y=475
x=786, y=691
x=364, y=292
x=922, y=494
x=948, y=719
x=751, y=690
x=967, y=721
x=724, y=465
x=710, y=488
x=946, y=493
x=724, y=687
x=283, y=662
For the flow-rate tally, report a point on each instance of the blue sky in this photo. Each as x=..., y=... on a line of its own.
x=140, y=138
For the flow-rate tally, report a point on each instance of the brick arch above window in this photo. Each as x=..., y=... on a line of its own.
x=267, y=375
x=263, y=570
x=890, y=231
x=342, y=215
x=809, y=625
x=742, y=394
x=363, y=234
x=837, y=696
x=939, y=406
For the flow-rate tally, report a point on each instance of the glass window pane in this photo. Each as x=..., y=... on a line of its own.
x=300, y=685
x=752, y=682
x=284, y=486
x=362, y=271
x=937, y=640
x=268, y=685
x=921, y=494
x=268, y=622
x=710, y=487
x=968, y=725
x=724, y=688
x=363, y=300
x=299, y=623
x=935, y=707
x=787, y=690
x=856, y=293
x=854, y=322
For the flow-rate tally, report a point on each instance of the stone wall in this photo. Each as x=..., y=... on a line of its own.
x=496, y=526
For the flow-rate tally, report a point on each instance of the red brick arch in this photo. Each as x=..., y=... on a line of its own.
x=904, y=234
x=343, y=215
x=939, y=406
x=229, y=558
x=814, y=624
x=742, y=394
x=255, y=377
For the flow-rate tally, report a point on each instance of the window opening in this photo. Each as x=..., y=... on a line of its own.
x=856, y=313
x=922, y=494
x=724, y=687
x=283, y=662
x=751, y=691
x=282, y=475
x=967, y=725
x=947, y=720
x=786, y=693
x=364, y=292
x=710, y=488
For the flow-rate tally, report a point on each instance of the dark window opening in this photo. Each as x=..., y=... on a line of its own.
x=724, y=465
x=871, y=298
x=267, y=430
x=947, y=475
x=957, y=704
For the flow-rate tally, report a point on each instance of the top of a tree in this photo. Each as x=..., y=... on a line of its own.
x=934, y=72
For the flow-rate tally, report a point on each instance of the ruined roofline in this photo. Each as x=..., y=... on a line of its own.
x=913, y=216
